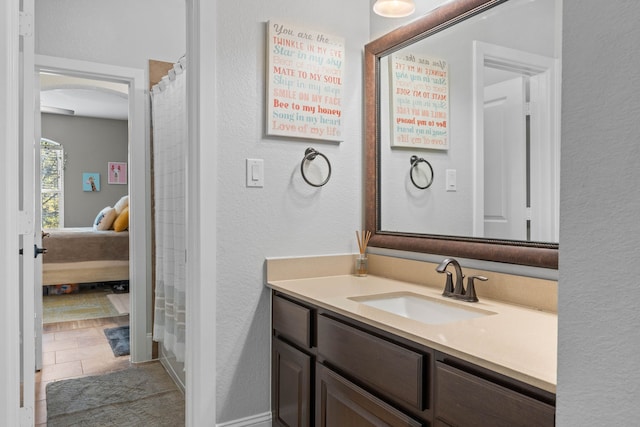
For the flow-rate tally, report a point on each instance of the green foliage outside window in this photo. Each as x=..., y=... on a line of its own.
x=51, y=174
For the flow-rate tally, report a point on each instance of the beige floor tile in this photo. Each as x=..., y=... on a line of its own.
x=99, y=366
x=77, y=333
x=41, y=413
x=48, y=358
x=91, y=341
x=60, y=345
x=41, y=390
x=61, y=371
x=84, y=352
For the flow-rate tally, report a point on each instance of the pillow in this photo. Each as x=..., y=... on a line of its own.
x=121, y=204
x=122, y=222
x=105, y=219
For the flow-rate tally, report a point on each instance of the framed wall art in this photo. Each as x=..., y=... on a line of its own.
x=305, y=83
x=90, y=181
x=419, y=101
x=117, y=172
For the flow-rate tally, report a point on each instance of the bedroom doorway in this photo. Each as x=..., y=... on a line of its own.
x=132, y=80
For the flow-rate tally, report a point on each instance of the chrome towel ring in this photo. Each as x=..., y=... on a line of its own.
x=310, y=154
x=415, y=162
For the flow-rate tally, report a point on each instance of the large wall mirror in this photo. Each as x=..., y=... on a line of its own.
x=463, y=132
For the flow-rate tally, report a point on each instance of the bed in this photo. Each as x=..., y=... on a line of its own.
x=85, y=255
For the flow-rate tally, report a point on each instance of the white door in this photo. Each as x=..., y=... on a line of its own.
x=27, y=211
x=505, y=154
x=37, y=196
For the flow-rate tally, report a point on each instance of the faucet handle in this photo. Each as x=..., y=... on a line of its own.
x=470, y=294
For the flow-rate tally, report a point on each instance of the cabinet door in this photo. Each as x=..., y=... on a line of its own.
x=291, y=386
x=342, y=403
x=465, y=400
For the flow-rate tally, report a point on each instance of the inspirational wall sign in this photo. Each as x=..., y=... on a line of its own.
x=419, y=101
x=305, y=78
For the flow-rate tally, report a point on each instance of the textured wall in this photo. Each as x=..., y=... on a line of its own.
x=598, y=363
x=118, y=32
x=287, y=217
x=89, y=143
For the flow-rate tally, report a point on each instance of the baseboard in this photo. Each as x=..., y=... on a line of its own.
x=149, y=347
x=171, y=368
x=260, y=420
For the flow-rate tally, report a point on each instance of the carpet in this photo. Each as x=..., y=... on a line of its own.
x=118, y=338
x=143, y=395
x=120, y=302
x=81, y=306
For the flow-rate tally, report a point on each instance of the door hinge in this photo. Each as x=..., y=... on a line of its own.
x=527, y=108
x=527, y=214
x=25, y=222
x=25, y=28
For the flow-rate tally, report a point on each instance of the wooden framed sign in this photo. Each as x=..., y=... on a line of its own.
x=419, y=101
x=305, y=78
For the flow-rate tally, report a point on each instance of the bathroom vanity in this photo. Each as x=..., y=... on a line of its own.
x=337, y=361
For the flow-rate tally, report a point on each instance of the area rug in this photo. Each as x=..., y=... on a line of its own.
x=143, y=395
x=118, y=338
x=120, y=302
x=80, y=306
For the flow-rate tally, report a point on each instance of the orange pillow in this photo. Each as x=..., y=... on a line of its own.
x=122, y=221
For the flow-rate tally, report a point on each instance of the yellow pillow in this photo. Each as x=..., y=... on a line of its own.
x=122, y=221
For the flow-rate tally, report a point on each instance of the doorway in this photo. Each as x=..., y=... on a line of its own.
x=201, y=350
x=139, y=241
x=533, y=200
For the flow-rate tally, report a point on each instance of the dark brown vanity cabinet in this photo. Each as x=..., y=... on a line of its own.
x=340, y=402
x=394, y=373
x=292, y=363
x=331, y=371
x=467, y=400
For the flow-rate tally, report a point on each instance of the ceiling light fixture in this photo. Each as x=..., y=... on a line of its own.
x=394, y=8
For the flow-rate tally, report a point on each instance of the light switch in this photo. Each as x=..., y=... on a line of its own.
x=255, y=173
x=451, y=179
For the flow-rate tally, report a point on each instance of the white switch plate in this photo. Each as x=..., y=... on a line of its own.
x=451, y=180
x=255, y=173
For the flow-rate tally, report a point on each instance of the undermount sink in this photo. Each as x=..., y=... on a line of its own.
x=421, y=308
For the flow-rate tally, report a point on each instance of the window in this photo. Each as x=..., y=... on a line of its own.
x=52, y=183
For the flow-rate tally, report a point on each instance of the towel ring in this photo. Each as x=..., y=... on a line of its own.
x=415, y=161
x=310, y=155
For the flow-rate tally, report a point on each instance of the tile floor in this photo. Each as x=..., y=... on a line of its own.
x=75, y=349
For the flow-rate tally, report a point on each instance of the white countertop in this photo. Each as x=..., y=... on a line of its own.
x=515, y=341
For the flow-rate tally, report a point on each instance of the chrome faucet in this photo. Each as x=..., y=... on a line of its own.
x=449, y=290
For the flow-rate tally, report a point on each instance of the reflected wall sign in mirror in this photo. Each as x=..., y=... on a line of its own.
x=480, y=82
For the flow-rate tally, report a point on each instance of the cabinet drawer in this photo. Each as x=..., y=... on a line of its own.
x=462, y=399
x=292, y=321
x=341, y=403
x=390, y=369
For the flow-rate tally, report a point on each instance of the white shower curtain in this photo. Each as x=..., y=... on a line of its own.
x=169, y=121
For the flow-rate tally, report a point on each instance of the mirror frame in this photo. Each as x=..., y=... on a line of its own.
x=536, y=254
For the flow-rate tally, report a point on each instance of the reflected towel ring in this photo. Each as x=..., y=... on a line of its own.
x=310, y=155
x=415, y=161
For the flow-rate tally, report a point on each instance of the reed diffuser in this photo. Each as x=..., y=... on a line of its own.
x=361, y=260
